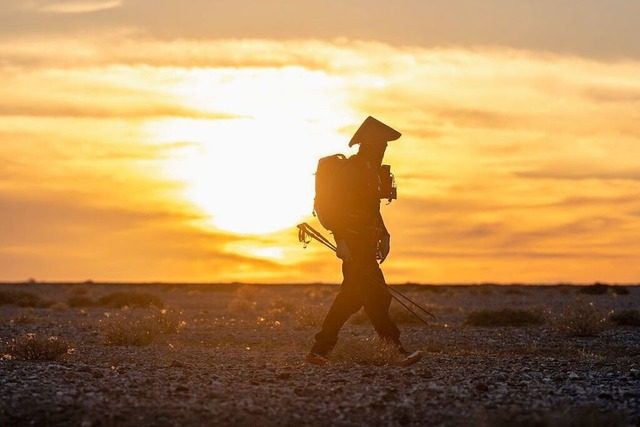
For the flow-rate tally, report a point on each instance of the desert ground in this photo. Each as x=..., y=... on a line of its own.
x=92, y=354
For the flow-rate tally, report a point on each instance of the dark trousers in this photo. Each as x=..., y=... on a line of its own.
x=363, y=285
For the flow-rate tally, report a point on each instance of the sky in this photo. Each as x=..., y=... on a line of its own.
x=164, y=141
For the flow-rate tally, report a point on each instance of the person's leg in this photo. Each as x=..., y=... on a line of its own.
x=348, y=301
x=377, y=303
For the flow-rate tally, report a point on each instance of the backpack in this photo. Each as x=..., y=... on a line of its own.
x=330, y=198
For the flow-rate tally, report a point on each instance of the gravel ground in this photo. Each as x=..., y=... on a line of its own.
x=237, y=359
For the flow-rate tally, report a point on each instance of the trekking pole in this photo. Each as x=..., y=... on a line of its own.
x=306, y=233
x=305, y=230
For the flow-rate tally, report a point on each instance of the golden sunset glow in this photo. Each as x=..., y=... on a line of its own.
x=146, y=153
x=251, y=171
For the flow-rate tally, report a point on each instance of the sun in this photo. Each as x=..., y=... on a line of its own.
x=252, y=171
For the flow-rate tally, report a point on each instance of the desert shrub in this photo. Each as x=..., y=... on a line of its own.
x=130, y=299
x=581, y=319
x=125, y=331
x=284, y=305
x=626, y=318
x=25, y=317
x=248, y=292
x=128, y=329
x=397, y=312
x=602, y=288
x=244, y=300
x=79, y=289
x=505, y=317
x=310, y=316
x=35, y=347
x=59, y=306
x=590, y=415
x=239, y=305
x=77, y=301
x=400, y=314
x=320, y=291
x=620, y=290
x=168, y=321
x=22, y=298
x=595, y=289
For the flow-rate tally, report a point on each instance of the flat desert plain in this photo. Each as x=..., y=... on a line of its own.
x=95, y=354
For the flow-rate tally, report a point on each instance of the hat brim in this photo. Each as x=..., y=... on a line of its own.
x=373, y=130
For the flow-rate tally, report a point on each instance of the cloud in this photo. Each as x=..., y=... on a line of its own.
x=71, y=7
x=77, y=110
x=585, y=173
x=509, y=160
x=62, y=236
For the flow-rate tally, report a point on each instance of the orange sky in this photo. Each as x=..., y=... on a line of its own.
x=138, y=147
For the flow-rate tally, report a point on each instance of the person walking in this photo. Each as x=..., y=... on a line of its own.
x=362, y=241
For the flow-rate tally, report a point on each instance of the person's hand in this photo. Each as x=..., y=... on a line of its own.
x=384, y=246
x=342, y=250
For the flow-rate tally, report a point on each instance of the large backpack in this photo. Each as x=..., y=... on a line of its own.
x=330, y=201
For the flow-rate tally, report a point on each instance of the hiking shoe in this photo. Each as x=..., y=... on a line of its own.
x=410, y=359
x=316, y=359
x=403, y=351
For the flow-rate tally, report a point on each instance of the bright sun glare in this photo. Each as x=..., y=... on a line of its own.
x=253, y=172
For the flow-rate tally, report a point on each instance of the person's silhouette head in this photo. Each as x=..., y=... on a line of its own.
x=373, y=152
x=373, y=135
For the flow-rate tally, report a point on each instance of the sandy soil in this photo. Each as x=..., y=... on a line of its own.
x=234, y=355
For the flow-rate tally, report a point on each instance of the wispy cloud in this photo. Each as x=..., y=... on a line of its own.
x=71, y=6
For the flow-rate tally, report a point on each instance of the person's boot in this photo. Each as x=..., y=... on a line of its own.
x=316, y=359
x=409, y=358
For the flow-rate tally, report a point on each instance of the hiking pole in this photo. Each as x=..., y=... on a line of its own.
x=306, y=233
x=305, y=230
x=412, y=302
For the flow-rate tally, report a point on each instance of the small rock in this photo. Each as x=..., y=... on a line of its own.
x=283, y=375
x=482, y=386
x=178, y=364
x=427, y=375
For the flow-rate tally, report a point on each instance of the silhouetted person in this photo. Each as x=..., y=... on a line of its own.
x=360, y=243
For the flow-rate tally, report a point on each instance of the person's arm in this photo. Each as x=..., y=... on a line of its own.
x=384, y=239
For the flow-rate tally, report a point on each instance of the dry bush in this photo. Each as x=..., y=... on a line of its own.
x=248, y=292
x=80, y=301
x=129, y=329
x=244, y=300
x=581, y=319
x=372, y=351
x=626, y=318
x=602, y=288
x=241, y=305
x=130, y=299
x=310, y=316
x=505, y=317
x=595, y=289
x=320, y=291
x=79, y=289
x=34, y=347
x=22, y=298
x=25, y=317
x=620, y=290
x=284, y=305
x=590, y=415
x=169, y=321
x=400, y=314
